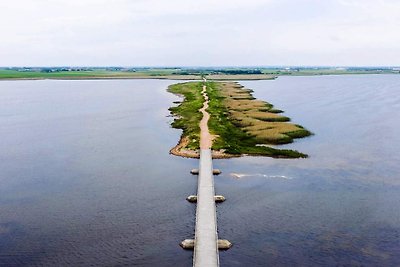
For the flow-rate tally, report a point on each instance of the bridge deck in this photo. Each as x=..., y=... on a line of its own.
x=206, y=238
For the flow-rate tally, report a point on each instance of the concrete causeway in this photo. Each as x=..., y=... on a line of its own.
x=206, y=243
x=206, y=238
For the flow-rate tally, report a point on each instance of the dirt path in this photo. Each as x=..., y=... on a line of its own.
x=205, y=137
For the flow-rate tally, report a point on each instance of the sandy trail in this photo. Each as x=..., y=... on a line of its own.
x=205, y=137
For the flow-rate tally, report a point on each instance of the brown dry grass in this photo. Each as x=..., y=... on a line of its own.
x=254, y=116
x=272, y=132
x=280, y=126
x=265, y=116
x=245, y=104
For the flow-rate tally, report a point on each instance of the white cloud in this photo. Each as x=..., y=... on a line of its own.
x=189, y=32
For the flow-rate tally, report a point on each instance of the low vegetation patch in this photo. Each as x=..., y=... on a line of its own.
x=241, y=124
x=260, y=119
x=187, y=115
x=244, y=125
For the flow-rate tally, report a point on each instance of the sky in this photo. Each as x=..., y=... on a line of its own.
x=200, y=33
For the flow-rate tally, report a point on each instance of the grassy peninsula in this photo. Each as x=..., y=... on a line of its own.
x=240, y=124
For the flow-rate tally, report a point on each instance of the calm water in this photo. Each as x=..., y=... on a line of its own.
x=339, y=207
x=86, y=178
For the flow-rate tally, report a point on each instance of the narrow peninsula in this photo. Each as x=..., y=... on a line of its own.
x=239, y=123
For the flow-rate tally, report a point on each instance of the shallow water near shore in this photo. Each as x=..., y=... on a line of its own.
x=86, y=177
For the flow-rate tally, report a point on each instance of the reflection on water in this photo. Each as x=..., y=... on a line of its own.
x=86, y=178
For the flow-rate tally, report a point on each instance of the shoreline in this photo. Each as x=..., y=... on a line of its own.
x=236, y=77
x=149, y=77
x=195, y=154
x=179, y=151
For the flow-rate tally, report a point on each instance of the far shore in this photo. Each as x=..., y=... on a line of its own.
x=247, y=77
x=161, y=77
x=181, y=73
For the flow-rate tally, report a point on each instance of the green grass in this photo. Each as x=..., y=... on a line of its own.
x=12, y=74
x=274, y=110
x=187, y=112
x=97, y=73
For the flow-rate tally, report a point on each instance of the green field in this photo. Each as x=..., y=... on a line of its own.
x=181, y=73
x=15, y=74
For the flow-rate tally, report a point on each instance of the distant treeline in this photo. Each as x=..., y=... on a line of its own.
x=240, y=71
x=220, y=71
x=20, y=72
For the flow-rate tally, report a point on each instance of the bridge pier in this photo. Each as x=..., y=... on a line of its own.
x=196, y=171
x=217, y=198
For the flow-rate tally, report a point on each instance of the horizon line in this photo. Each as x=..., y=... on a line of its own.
x=202, y=66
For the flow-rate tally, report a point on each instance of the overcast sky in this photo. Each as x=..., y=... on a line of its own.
x=199, y=32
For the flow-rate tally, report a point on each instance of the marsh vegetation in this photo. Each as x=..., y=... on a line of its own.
x=240, y=123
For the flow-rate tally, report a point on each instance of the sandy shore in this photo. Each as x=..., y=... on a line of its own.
x=180, y=151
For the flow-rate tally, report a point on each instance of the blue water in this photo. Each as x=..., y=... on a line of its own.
x=86, y=178
x=338, y=207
